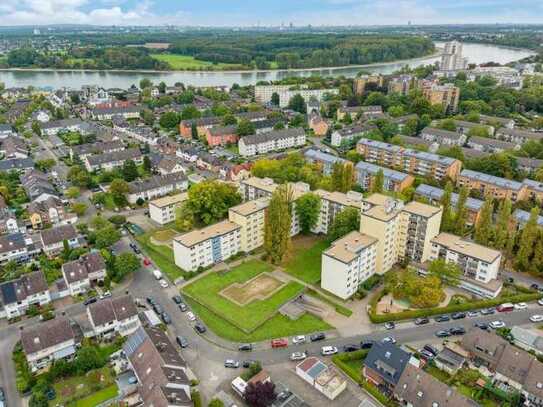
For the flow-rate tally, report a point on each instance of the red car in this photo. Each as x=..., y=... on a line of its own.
x=146, y=262
x=279, y=343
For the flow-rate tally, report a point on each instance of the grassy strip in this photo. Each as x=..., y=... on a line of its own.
x=276, y=327
x=306, y=264
x=98, y=397
x=426, y=312
x=163, y=257
x=340, y=309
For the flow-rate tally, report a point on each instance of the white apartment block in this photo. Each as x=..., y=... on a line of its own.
x=263, y=94
x=333, y=203
x=157, y=186
x=479, y=264
x=162, y=210
x=207, y=246
x=250, y=216
x=275, y=140
x=347, y=263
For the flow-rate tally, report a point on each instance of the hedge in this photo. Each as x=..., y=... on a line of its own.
x=426, y=312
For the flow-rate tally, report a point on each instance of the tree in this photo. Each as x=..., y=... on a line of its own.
x=245, y=128
x=190, y=112
x=277, y=224
x=478, y=131
x=378, y=182
x=118, y=189
x=162, y=87
x=345, y=222
x=260, y=394
x=528, y=237
x=184, y=218
x=36, y=128
x=229, y=120
x=147, y=116
x=461, y=212
x=275, y=98
x=79, y=176
x=307, y=208
x=297, y=103
x=107, y=237
x=215, y=403
x=129, y=171
x=169, y=120
x=147, y=165
x=448, y=124
x=72, y=193
x=447, y=216
x=342, y=176
x=88, y=358
x=125, y=263
x=194, y=131
x=484, y=228
x=448, y=273
x=79, y=208
x=46, y=164
x=503, y=223
x=209, y=201
x=145, y=83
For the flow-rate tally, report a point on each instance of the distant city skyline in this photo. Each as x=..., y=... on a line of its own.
x=277, y=12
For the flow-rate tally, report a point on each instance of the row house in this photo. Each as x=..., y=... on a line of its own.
x=157, y=186
x=170, y=165
x=433, y=196
x=113, y=316
x=272, y=141
x=37, y=186
x=6, y=130
x=202, y=125
x=18, y=295
x=82, y=274
x=324, y=160
x=163, y=210
x=495, y=121
x=479, y=264
x=443, y=137
x=236, y=172
x=534, y=189
x=464, y=127
x=518, y=136
x=20, y=165
x=47, y=342
x=498, y=188
x=221, y=135
x=529, y=165
x=52, y=128
x=160, y=370
x=107, y=113
x=209, y=162
x=84, y=150
x=411, y=161
x=14, y=147
x=49, y=212
x=488, y=145
x=8, y=220
x=356, y=112
x=143, y=134
x=188, y=153
x=52, y=240
x=393, y=181
x=110, y=161
x=17, y=247
x=521, y=218
x=327, y=380
x=350, y=133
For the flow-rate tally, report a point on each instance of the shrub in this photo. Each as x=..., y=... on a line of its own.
x=371, y=282
x=196, y=398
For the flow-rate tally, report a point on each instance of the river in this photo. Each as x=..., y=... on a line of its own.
x=476, y=53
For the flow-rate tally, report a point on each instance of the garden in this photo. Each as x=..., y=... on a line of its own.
x=304, y=259
x=88, y=389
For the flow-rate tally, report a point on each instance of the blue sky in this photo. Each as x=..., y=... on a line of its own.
x=269, y=12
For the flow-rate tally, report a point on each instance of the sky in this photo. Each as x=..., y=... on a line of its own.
x=269, y=12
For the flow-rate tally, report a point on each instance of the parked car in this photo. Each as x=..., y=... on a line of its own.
x=534, y=286
x=536, y=318
x=245, y=347
x=496, y=324
x=298, y=340
x=177, y=299
x=182, y=341
x=458, y=315
x=132, y=380
x=350, y=347
x=90, y=301
x=105, y=294
x=390, y=325
x=328, y=350
x=248, y=362
x=151, y=300
x=279, y=343
x=158, y=308
x=317, y=337
x=457, y=330
x=429, y=348
x=191, y=317
x=472, y=314
x=166, y=318
x=481, y=325
x=2, y=394
x=163, y=283
x=298, y=356
x=520, y=306
x=505, y=307
x=388, y=339
x=366, y=344
x=488, y=311
x=199, y=327
x=231, y=363
x=442, y=334
x=421, y=321
x=540, y=301
x=183, y=307
x=146, y=262
x=426, y=355
x=442, y=318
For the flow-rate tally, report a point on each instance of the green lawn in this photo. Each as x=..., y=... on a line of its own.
x=98, y=397
x=249, y=316
x=162, y=256
x=305, y=262
x=71, y=389
x=276, y=327
x=181, y=62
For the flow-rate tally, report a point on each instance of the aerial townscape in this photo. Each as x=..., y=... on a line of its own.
x=291, y=215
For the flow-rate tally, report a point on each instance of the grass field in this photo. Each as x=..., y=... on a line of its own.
x=162, y=256
x=165, y=236
x=98, y=397
x=73, y=389
x=181, y=62
x=304, y=260
x=251, y=315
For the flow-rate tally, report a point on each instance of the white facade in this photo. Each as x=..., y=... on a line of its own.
x=162, y=210
x=264, y=144
x=263, y=94
x=333, y=203
x=160, y=190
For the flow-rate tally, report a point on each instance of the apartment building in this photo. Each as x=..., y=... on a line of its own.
x=393, y=181
x=362, y=112
x=443, y=137
x=361, y=82
x=157, y=186
x=109, y=161
x=333, y=203
x=275, y=140
x=201, y=125
x=29, y=289
x=325, y=160
x=498, y=188
x=113, y=316
x=263, y=93
x=479, y=264
x=347, y=263
x=250, y=216
x=434, y=194
x=534, y=189
x=221, y=135
x=162, y=210
x=81, y=274
x=446, y=95
x=207, y=246
x=411, y=161
x=349, y=133
x=401, y=84
x=49, y=341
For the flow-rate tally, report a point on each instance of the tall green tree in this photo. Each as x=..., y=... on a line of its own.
x=245, y=128
x=448, y=273
x=307, y=209
x=528, y=238
x=503, y=224
x=461, y=212
x=118, y=189
x=484, y=229
x=277, y=224
x=378, y=182
x=345, y=222
x=147, y=165
x=129, y=171
x=209, y=201
x=194, y=131
x=297, y=103
x=275, y=98
x=447, y=217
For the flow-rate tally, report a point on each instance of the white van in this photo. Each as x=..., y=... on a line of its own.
x=157, y=274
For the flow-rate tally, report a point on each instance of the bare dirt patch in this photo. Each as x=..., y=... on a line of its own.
x=259, y=287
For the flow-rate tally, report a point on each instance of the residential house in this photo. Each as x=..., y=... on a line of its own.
x=350, y=133
x=529, y=165
x=319, y=125
x=157, y=186
x=37, y=186
x=384, y=365
x=463, y=127
x=323, y=378
x=50, y=211
x=83, y=150
x=209, y=162
x=113, y=316
x=221, y=135
x=46, y=342
x=19, y=294
x=393, y=181
x=53, y=239
x=272, y=141
x=14, y=147
x=143, y=134
x=6, y=131
x=495, y=121
x=170, y=165
x=489, y=145
x=163, y=210
x=8, y=221
x=17, y=164
x=528, y=339
x=16, y=247
x=517, y=136
x=451, y=358
x=107, y=113
x=81, y=274
x=160, y=370
x=52, y=128
x=534, y=189
x=109, y=161
x=443, y=137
